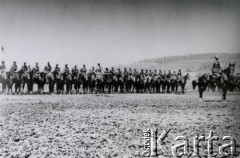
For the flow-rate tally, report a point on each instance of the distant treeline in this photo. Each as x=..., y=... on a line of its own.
x=188, y=63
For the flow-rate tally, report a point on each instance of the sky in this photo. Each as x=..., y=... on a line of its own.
x=114, y=32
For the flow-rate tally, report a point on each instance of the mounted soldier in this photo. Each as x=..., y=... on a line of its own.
x=135, y=72
x=112, y=71
x=106, y=73
x=179, y=75
x=150, y=73
x=29, y=69
x=216, y=68
x=125, y=72
x=13, y=69
x=24, y=67
x=48, y=71
x=36, y=68
x=48, y=68
x=119, y=73
x=174, y=75
x=159, y=73
x=83, y=69
x=66, y=70
x=130, y=72
x=146, y=74
x=155, y=74
x=2, y=68
x=99, y=69
x=168, y=75
x=92, y=71
x=75, y=71
x=164, y=74
x=57, y=69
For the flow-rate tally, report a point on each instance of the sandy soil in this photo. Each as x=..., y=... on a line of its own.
x=109, y=125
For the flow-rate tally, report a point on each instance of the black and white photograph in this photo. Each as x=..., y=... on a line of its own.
x=119, y=78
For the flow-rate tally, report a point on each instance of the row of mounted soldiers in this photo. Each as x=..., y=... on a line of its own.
x=99, y=69
x=97, y=79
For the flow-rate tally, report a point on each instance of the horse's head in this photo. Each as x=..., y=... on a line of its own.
x=231, y=68
x=69, y=76
x=187, y=76
x=61, y=77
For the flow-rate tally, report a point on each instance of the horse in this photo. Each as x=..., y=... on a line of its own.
x=26, y=78
x=120, y=83
x=202, y=84
x=69, y=82
x=137, y=83
x=213, y=82
x=165, y=83
x=15, y=79
x=5, y=80
x=128, y=83
x=174, y=83
x=114, y=83
x=39, y=78
x=50, y=80
x=99, y=83
x=227, y=79
x=146, y=84
x=59, y=81
x=76, y=82
x=108, y=82
x=91, y=82
x=84, y=80
x=152, y=84
x=182, y=82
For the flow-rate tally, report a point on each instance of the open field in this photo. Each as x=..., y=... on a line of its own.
x=109, y=125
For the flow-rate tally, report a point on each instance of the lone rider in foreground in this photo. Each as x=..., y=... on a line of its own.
x=216, y=69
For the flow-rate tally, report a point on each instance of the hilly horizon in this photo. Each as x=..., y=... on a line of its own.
x=188, y=63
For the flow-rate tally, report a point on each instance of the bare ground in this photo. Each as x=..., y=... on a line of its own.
x=109, y=125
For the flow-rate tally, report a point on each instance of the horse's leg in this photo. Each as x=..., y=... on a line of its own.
x=183, y=88
x=200, y=93
x=22, y=87
x=224, y=92
x=176, y=87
